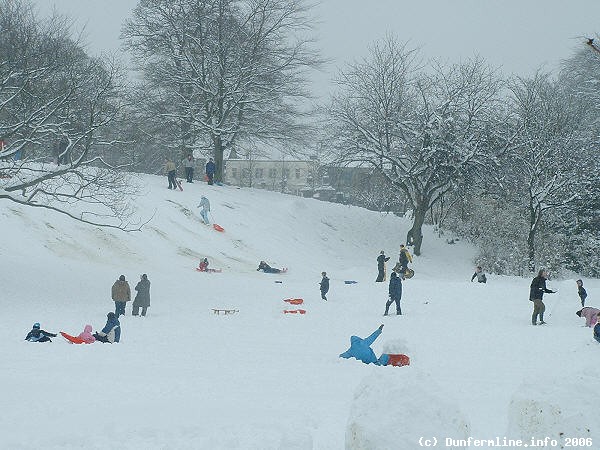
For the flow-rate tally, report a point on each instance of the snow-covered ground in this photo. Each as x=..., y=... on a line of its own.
x=184, y=378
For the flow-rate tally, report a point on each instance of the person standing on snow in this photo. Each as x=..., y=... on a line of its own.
x=536, y=294
x=205, y=205
x=188, y=164
x=210, y=169
x=324, y=285
x=481, y=278
x=121, y=294
x=171, y=169
x=142, y=298
x=381, y=260
x=395, y=291
x=581, y=292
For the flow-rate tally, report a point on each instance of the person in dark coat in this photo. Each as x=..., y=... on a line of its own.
x=481, y=278
x=121, y=294
x=597, y=329
x=111, y=332
x=360, y=348
x=267, y=268
x=395, y=290
x=38, y=335
x=324, y=285
x=142, y=298
x=536, y=294
x=381, y=260
x=404, y=258
x=210, y=168
x=581, y=292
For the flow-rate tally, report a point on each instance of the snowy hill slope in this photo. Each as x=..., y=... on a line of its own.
x=185, y=378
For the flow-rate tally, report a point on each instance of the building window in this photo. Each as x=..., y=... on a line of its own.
x=245, y=173
x=273, y=173
x=298, y=174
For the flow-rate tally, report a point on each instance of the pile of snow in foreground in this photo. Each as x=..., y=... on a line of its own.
x=185, y=378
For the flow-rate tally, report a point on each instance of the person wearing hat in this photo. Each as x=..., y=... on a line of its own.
x=142, y=298
x=121, y=294
x=590, y=314
x=395, y=290
x=38, y=335
x=205, y=205
x=381, y=260
x=581, y=292
x=111, y=332
x=324, y=285
x=536, y=294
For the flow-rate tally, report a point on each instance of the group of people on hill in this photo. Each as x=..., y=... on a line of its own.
x=111, y=332
x=188, y=164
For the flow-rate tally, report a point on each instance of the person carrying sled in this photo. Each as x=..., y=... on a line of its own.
x=404, y=258
x=481, y=278
x=111, y=332
x=536, y=295
x=142, y=298
x=590, y=314
x=205, y=208
x=121, y=294
x=210, y=170
x=394, y=291
x=38, y=335
x=324, y=285
x=267, y=268
x=581, y=292
x=381, y=260
x=170, y=169
x=86, y=335
x=188, y=164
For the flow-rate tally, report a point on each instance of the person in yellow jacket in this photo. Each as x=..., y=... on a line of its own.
x=404, y=258
x=121, y=294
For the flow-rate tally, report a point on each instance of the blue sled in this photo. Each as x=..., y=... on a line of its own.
x=350, y=282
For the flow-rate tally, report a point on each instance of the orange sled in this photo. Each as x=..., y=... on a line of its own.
x=294, y=311
x=399, y=360
x=218, y=227
x=294, y=301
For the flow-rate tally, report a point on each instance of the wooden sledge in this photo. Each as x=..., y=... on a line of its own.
x=225, y=311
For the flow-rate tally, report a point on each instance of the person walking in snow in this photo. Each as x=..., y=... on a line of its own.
x=394, y=290
x=170, y=169
x=86, y=335
x=536, y=295
x=590, y=314
x=381, y=260
x=38, y=335
x=481, y=278
x=142, y=298
x=210, y=169
x=581, y=292
x=404, y=258
x=111, y=332
x=188, y=164
x=205, y=208
x=324, y=285
x=121, y=294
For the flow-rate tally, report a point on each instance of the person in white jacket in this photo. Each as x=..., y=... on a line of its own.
x=205, y=208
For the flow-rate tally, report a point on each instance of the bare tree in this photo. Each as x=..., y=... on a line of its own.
x=55, y=103
x=420, y=130
x=224, y=70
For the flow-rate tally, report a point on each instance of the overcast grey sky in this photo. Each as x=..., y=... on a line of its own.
x=517, y=35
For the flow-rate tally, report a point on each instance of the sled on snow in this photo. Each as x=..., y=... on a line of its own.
x=294, y=311
x=224, y=311
x=218, y=227
x=179, y=185
x=209, y=270
x=350, y=282
x=294, y=301
x=398, y=360
x=72, y=339
x=409, y=273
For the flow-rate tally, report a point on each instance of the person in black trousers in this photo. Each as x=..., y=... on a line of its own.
x=395, y=291
x=381, y=260
x=324, y=285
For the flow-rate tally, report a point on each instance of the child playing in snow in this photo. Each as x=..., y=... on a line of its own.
x=582, y=292
x=590, y=314
x=361, y=349
x=267, y=268
x=203, y=266
x=86, y=335
x=38, y=335
x=111, y=331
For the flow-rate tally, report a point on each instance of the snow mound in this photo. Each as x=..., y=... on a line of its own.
x=394, y=407
x=556, y=408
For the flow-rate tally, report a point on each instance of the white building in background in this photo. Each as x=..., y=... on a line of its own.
x=290, y=176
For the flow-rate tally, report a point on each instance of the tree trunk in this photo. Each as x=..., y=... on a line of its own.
x=415, y=235
x=533, y=221
x=218, y=156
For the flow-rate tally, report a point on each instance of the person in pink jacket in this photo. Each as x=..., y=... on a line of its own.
x=86, y=335
x=590, y=314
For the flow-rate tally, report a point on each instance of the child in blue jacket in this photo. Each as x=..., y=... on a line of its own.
x=112, y=330
x=38, y=335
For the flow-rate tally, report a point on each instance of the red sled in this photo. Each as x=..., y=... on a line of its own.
x=218, y=227
x=294, y=301
x=72, y=339
x=398, y=360
x=209, y=270
x=294, y=311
